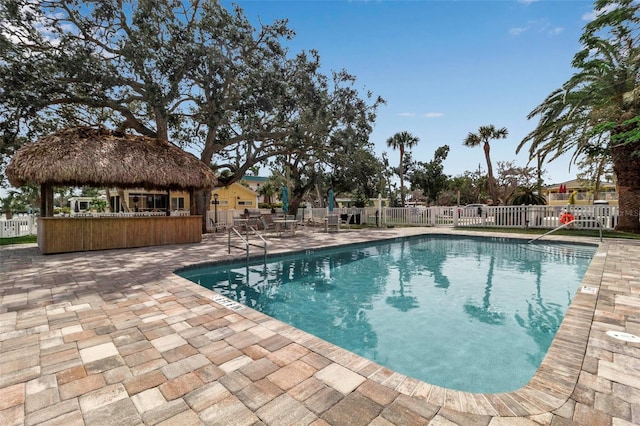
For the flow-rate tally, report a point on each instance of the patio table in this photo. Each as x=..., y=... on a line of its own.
x=282, y=226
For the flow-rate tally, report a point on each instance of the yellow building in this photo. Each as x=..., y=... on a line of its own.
x=234, y=197
x=583, y=195
x=255, y=183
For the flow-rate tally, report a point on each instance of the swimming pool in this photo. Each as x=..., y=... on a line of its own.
x=467, y=313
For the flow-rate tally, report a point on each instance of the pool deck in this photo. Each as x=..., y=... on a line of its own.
x=114, y=337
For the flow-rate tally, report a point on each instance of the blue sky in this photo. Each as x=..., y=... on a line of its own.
x=444, y=67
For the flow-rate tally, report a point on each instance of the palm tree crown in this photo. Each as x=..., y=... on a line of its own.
x=593, y=113
x=400, y=141
x=484, y=135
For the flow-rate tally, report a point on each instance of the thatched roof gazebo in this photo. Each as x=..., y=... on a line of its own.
x=103, y=158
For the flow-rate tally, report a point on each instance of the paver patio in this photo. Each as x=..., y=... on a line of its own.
x=114, y=337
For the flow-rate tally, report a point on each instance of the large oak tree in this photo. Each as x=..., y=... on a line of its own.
x=193, y=73
x=335, y=151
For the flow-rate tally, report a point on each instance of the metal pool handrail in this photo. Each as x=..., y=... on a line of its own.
x=569, y=223
x=246, y=240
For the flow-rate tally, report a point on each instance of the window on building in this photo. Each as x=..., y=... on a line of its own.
x=114, y=204
x=177, y=203
x=148, y=202
x=160, y=202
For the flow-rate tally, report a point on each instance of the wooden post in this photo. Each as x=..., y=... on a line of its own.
x=46, y=200
x=192, y=201
x=49, y=200
x=43, y=200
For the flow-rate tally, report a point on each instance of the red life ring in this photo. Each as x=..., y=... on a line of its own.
x=566, y=218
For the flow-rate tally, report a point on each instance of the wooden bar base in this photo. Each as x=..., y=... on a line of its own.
x=63, y=234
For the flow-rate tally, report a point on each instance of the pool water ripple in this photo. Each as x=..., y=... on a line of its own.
x=466, y=313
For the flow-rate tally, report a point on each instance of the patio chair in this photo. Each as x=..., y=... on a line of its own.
x=315, y=223
x=267, y=223
x=217, y=225
x=253, y=216
x=347, y=220
x=333, y=223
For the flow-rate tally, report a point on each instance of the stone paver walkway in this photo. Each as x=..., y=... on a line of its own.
x=114, y=337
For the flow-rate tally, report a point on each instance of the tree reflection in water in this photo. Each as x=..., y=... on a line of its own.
x=433, y=307
x=484, y=313
x=543, y=319
x=405, y=268
x=309, y=281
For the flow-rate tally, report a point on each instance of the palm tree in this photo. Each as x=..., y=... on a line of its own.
x=484, y=135
x=596, y=111
x=267, y=191
x=528, y=196
x=400, y=141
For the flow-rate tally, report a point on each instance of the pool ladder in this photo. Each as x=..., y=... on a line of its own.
x=233, y=231
x=569, y=223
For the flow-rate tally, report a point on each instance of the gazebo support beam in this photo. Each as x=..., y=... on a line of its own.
x=46, y=200
x=192, y=202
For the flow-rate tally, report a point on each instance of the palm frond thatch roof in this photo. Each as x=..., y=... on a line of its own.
x=100, y=157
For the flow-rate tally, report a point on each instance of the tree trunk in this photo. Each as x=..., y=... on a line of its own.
x=46, y=200
x=490, y=179
x=294, y=204
x=108, y=195
x=626, y=167
x=124, y=202
x=401, y=170
x=203, y=199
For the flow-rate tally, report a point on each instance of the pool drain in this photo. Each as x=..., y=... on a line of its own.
x=627, y=337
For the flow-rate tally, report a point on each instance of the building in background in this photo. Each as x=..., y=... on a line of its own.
x=234, y=197
x=255, y=183
x=558, y=194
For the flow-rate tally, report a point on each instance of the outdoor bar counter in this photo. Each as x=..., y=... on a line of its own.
x=84, y=233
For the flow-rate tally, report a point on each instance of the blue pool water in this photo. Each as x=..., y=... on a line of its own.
x=472, y=314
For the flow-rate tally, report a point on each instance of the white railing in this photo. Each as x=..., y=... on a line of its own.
x=581, y=196
x=129, y=214
x=544, y=217
x=224, y=219
x=412, y=216
x=18, y=226
x=547, y=217
x=490, y=216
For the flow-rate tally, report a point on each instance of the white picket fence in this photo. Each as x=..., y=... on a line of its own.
x=544, y=217
x=19, y=226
